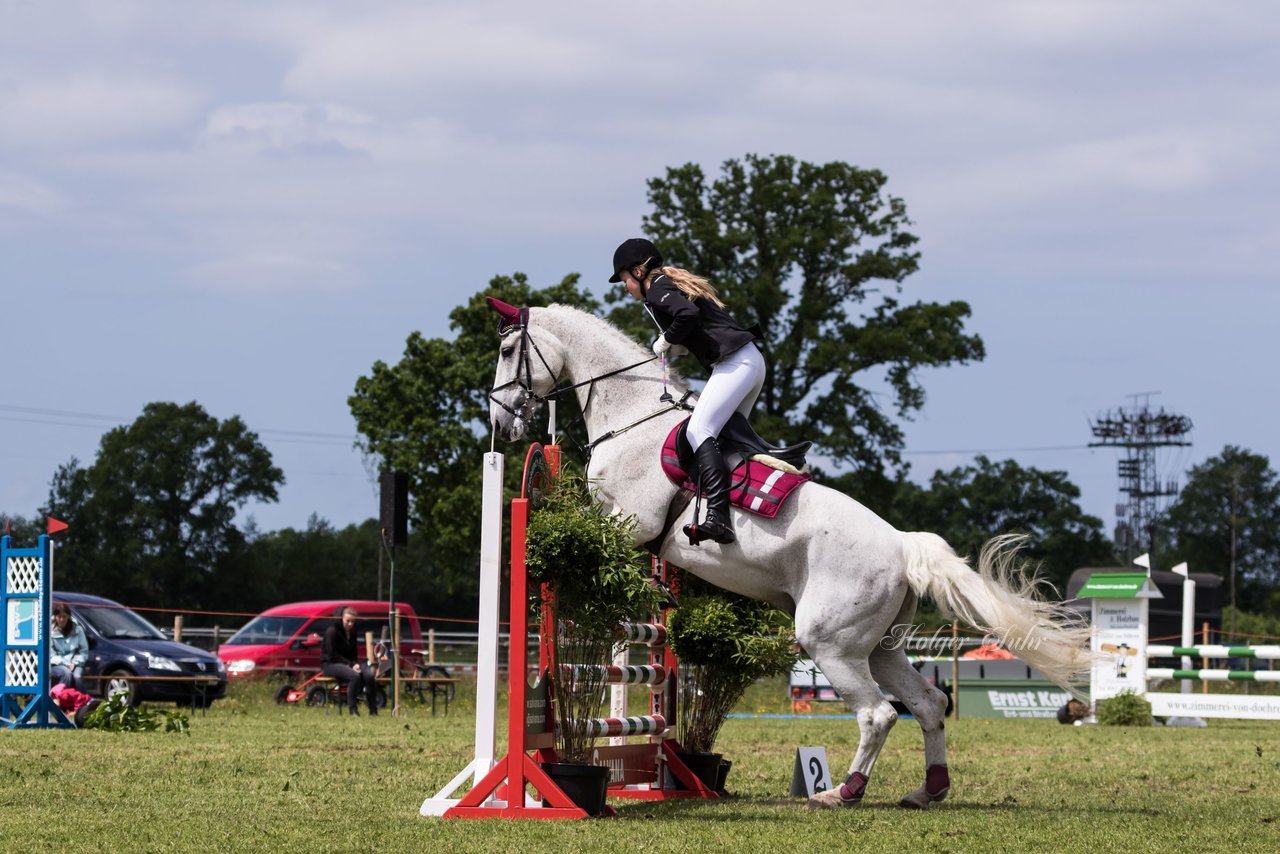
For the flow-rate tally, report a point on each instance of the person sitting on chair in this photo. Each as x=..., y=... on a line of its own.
x=339, y=659
x=691, y=315
x=68, y=649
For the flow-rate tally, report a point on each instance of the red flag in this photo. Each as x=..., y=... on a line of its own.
x=56, y=525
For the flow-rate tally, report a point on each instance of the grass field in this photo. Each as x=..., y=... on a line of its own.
x=256, y=776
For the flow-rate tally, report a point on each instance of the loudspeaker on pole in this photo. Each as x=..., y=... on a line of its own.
x=394, y=507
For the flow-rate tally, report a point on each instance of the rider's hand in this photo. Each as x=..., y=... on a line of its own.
x=661, y=345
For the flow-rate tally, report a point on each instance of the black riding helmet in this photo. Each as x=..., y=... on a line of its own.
x=633, y=252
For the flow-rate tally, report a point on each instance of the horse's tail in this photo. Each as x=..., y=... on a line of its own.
x=1001, y=601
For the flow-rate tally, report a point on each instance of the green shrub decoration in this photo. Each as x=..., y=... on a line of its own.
x=1124, y=709
x=724, y=643
x=116, y=715
x=598, y=578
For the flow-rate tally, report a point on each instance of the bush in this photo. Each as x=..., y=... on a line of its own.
x=116, y=715
x=724, y=642
x=597, y=578
x=1124, y=709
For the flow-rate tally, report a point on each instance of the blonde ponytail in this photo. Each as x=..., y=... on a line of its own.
x=690, y=284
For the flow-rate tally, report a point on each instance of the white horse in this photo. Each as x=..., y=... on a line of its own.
x=848, y=577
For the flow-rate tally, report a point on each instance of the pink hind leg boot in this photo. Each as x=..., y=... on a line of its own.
x=937, y=781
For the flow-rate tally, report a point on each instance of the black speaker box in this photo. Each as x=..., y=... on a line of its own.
x=394, y=507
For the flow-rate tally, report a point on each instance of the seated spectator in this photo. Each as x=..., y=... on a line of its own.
x=68, y=649
x=339, y=659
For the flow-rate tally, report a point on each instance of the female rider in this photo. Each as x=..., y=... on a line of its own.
x=691, y=315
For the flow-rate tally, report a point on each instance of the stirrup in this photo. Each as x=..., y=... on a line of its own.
x=697, y=534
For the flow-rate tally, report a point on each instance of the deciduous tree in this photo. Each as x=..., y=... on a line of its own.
x=1226, y=520
x=971, y=504
x=816, y=254
x=153, y=517
x=428, y=415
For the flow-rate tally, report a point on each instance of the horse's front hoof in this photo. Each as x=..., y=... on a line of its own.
x=830, y=800
x=920, y=799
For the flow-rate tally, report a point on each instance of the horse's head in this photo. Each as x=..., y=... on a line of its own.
x=529, y=364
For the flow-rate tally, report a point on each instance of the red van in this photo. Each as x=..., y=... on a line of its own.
x=285, y=640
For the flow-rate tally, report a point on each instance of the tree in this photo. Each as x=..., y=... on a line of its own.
x=428, y=416
x=791, y=245
x=153, y=518
x=324, y=562
x=1226, y=520
x=970, y=504
x=25, y=532
x=799, y=247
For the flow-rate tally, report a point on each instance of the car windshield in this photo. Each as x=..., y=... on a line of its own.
x=117, y=621
x=270, y=630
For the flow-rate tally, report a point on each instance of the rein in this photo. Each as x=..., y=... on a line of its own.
x=674, y=405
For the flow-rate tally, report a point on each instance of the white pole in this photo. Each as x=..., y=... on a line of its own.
x=1188, y=638
x=486, y=638
x=618, y=693
x=1188, y=618
x=490, y=593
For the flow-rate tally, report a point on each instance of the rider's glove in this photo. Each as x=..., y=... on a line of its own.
x=661, y=345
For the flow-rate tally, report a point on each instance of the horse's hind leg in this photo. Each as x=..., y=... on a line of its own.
x=928, y=705
x=840, y=624
x=852, y=678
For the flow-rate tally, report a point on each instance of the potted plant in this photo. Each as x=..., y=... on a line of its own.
x=724, y=643
x=596, y=578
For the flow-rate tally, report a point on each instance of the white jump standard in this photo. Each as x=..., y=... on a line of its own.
x=1120, y=632
x=650, y=771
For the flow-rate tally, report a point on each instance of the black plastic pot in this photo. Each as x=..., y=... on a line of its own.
x=705, y=766
x=725, y=765
x=585, y=785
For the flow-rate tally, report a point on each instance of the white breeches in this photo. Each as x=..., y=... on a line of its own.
x=734, y=385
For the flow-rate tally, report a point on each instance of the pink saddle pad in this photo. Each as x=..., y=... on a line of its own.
x=754, y=486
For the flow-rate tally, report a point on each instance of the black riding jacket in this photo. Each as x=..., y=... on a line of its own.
x=706, y=329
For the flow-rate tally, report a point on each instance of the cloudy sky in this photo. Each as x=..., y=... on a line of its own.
x=247, y=204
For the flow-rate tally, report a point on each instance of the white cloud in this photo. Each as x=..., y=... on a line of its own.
x=312, y=149
x=434, y=51
x=1168, y=161
x=281, y=272
x=287, y=127
x=1162, y=163
x=24, y=193
x=88, y=109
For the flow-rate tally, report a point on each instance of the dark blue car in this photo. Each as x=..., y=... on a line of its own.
x=124, y=645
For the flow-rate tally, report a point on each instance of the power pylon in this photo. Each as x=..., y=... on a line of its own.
x=1138, y=431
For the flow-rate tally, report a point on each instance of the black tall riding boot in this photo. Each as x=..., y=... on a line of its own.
x=713, y=478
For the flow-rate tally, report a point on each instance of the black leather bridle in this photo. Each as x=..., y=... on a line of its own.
x=529, y=399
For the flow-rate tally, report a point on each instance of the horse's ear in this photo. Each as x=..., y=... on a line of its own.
x=511, y=316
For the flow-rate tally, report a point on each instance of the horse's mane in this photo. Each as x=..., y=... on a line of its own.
x=590, y=325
